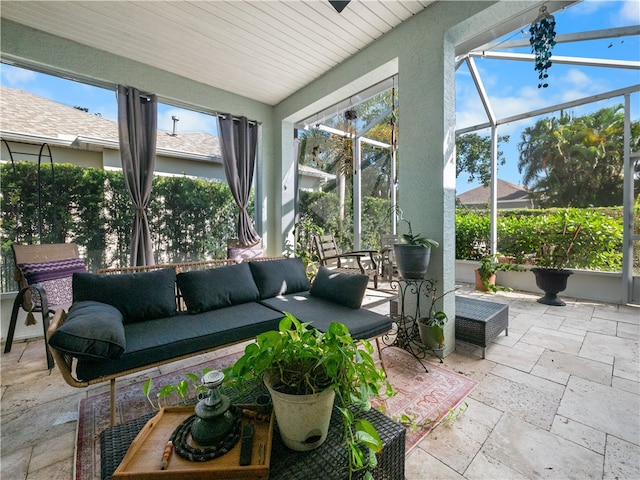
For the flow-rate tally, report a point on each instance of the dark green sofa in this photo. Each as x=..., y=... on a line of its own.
x=123, y=323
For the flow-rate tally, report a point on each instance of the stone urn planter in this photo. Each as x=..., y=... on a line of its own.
x=551, y=281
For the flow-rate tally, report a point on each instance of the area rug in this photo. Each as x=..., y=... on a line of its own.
x=424, y=397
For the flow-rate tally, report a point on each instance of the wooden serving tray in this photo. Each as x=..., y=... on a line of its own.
x=143, y=459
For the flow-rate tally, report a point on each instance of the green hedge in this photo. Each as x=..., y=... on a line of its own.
x=521, y=233
x=190, y=219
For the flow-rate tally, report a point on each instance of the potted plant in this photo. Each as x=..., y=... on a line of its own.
x=486, y=273
x=413, y=254
x=550, y=261
x=299, y=364
x=431, y=327
x=305, y=229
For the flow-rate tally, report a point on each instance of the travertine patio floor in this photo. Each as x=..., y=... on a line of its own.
x=558, y=398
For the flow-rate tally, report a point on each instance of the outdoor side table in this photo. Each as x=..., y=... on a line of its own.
x=329, y=461
x=478, y=321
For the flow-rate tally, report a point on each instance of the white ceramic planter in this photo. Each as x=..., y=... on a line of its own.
x=303, y=420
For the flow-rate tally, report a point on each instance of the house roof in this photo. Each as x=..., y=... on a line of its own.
x=26, y=117
x=315, y=172
x=507, y=192
x=265, y=51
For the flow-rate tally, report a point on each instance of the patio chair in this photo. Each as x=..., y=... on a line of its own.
x=361, y=261
x=44, y=274
x=388, y=267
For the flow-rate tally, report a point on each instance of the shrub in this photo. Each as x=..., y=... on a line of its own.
x=189, y=219
x=521, y=232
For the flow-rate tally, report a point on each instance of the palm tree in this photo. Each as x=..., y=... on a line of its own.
x=576, y=161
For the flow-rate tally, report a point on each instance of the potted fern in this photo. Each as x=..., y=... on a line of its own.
x=299, y=364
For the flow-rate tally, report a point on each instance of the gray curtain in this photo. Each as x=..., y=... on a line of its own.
x=137, y=124
x=238, y=143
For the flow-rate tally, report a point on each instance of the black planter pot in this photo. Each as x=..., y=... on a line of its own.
x=551, y=281
x=412, y=260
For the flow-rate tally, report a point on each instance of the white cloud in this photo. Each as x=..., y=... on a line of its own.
x=587, y=7
x=629, y=13
x=16, y=77
x=577, y=84
x=576, y=77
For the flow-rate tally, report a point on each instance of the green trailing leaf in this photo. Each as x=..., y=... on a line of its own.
x=367, y=434
x=182, y=388
x=438, y=334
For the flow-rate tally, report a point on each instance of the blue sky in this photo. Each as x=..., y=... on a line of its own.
x=511, y=85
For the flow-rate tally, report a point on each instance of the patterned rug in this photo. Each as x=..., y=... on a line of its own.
x=423, y=397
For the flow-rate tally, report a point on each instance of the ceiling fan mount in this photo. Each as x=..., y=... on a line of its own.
x=339, y=5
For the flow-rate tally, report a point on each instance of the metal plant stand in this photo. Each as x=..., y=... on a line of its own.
x=405, y=332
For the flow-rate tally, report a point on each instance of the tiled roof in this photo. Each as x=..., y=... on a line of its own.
x=507, y=192
x=29, y=114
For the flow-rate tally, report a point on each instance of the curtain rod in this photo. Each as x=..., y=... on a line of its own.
x=21, y=63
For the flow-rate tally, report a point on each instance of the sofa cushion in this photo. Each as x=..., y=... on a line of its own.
x=279, y=277
x=362, y=323
x=182, y=335
x=344, y=288
x=92, y=331
x=139, y=296
x=205, y=290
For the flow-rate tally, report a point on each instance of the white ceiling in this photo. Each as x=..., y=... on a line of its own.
x=263, y=50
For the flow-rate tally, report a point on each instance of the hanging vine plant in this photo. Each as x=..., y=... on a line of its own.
x=542, y=41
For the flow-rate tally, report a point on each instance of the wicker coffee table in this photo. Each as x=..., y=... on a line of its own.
x=329, y=461
x=478, y=321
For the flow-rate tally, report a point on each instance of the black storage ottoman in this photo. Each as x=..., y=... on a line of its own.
x=478, y=321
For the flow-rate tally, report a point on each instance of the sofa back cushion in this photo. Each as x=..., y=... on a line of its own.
x=92, y=331
x=280, y=277
x=204, y=290
x=343, y=288
x=139, y=296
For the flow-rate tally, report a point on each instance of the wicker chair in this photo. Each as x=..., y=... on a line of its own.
x=43, y=273
x=361, y=261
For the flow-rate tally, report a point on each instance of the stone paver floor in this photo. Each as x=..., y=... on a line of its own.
x=558, y=398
